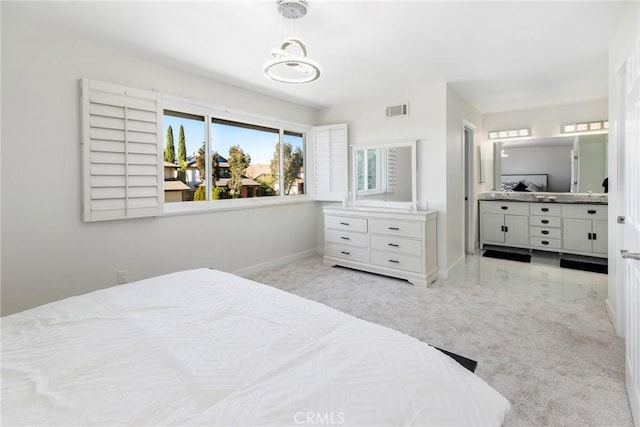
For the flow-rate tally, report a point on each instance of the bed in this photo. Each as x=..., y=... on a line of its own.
x=527, y=182
x=204, y=347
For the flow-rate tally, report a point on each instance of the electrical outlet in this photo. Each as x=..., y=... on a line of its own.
x=122, y=277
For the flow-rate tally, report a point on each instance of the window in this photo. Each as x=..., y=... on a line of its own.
x=184, y=138
x=141, y=148
x=367, y=165
x=247, y=160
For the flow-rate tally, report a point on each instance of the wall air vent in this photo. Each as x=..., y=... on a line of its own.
x=400, y=110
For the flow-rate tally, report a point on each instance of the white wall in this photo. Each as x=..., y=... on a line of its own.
x=435, y=121
x=47, y=251
x=459, y=111
x=425, y=123
x=544, y=122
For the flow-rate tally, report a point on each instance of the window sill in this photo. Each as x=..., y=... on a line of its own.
x=190, y=208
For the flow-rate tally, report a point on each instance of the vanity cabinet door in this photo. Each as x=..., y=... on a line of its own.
x=516, y=230
x=601, y=236
x=509, y=229
x=492, y=228
x=575, y=234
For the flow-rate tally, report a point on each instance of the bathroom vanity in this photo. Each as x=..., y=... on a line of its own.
x=574, y=225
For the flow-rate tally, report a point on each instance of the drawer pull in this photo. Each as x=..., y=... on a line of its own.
x=345, y=238
x=545, y=209
x=504, y=208
x=544, y=242
x=345, y=253
x=591, y=212
x=594, y=236
x=395, y=245
x=589, y=236
x=394, y=228
x=545, y=221
x=545, y=231
x=394, y=261
x=344, y=223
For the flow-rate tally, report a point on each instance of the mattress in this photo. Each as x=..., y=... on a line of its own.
x=204, y=347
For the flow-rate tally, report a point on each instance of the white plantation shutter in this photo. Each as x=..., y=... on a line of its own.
x=392, y=170
x=331, y=161
x=122, y=156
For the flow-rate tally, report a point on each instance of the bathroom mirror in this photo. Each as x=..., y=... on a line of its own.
x=566, y=164
x=384, y=175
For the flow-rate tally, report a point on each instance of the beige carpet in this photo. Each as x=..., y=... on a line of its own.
x=559, y=364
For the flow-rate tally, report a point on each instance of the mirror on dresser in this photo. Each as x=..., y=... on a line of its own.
x=384, y=175
x=566, y=164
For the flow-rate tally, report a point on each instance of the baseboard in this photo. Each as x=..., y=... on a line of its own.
x=444, y=273
x=613, y=318
x=255, y=269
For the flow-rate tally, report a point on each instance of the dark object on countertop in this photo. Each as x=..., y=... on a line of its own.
x=520, y=187
x=605, y=184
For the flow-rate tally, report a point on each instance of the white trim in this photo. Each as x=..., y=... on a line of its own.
x=197, y=207
x=411, y=205
x=172, y=102
x=468, y=180
x=258, y=268
x=445, y=273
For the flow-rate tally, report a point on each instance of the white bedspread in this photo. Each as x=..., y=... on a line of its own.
x=202, y=347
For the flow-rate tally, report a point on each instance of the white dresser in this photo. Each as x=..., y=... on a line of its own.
x=392, y=242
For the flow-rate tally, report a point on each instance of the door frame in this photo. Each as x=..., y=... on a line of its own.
x=468, y=186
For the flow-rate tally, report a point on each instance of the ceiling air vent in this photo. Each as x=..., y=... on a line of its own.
x=400, y=110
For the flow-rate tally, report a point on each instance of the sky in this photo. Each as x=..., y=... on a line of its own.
x=259, y=145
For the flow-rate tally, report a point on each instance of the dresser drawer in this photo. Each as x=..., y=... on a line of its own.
x=585, y=212
x=548, y=233
x=396, y=244
x=397, y=261
x=346, y=237
x=512, y=208
x=351, y=253
x=346, y=223
x=544, y=221
x=396, y=228
x=544, y=243
x=545, y=209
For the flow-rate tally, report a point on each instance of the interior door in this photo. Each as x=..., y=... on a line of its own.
x=629, y=204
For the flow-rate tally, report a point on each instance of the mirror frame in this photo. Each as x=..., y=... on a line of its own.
x=412, y=204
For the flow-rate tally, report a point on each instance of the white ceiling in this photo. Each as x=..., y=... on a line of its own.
x=498, y=55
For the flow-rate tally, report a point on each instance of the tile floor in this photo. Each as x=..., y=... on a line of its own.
x=542, y=278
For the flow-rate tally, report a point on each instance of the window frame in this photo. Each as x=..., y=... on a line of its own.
x=209, y=111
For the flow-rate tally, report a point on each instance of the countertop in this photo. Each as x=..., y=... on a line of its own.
x=568, y=198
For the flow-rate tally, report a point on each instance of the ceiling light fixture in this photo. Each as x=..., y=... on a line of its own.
x=290, y=63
